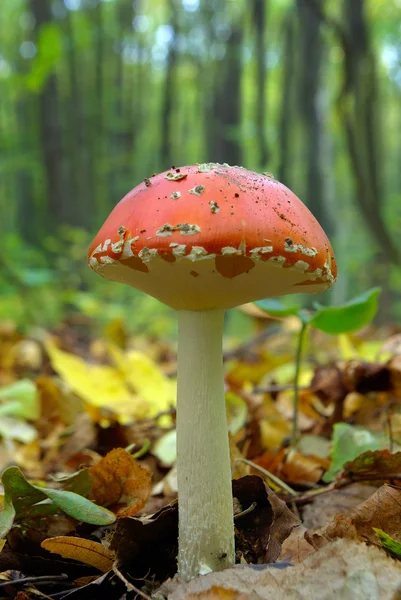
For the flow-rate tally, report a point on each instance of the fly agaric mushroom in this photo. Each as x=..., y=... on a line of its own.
x=203, y=239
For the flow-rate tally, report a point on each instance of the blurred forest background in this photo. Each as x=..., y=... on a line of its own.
x=95, y=95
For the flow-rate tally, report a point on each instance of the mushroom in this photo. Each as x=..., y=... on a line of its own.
x=203, y=239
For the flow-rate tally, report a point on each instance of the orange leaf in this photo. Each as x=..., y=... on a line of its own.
x=119, y=480
x=86, y=551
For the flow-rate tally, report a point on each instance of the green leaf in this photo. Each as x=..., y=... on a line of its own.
x=349, y=442
x=20, y=399
x=390, y=544
x=7, y=515
x=165, y=448
x=237, y=412
x=276, y=308
x=351, y=316
x=80, y=508
x=15, y=429
x=79, y=482
x=24, y=495
x=21, y=493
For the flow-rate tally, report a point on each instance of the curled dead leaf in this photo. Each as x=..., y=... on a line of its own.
x=118, y=480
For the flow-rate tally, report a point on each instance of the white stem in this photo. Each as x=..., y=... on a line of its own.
x=206, y=526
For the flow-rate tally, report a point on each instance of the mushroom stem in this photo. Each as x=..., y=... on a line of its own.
x=206, y=526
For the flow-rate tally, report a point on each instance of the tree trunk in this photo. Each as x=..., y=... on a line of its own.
x=58, y=198
x=225, y=118
x=259, y=22
x=286, y=114
x=358, y=113
x=311, y=54
x=166, y=156
x=80, y=159
x=122, y=133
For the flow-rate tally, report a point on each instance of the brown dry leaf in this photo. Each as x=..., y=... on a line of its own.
x=303, y=469
x=324, y=508
x=295, y=548
x=294, y=467
x=260, y=532
x=381, y=462
x=381, y=510
x=148, y=544
x=118, y=479
x=343, y=569
x=85, y=551
x=328, y=384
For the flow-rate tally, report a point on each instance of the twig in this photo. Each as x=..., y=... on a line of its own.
x=272, y=477
x=271, y=389
x=246, y=511
x=43, y=579
x=130, y=586
x=305, y=497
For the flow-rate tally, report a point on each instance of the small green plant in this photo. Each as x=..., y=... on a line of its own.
x=26, y=502
x=334, y=320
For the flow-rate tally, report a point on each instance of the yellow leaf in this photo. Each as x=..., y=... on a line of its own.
x=86, y=551
x=346, y=347
x=2, y=542
x=145, y=378
x=136, y=388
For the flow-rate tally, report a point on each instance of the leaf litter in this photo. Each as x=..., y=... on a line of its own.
x=87, y=452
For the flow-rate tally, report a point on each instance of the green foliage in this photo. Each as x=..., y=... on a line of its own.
x=335, y=320
x=20, y=399
x=348, y=442
x=351, y=316
x=22, y=501
x=277, y=308
x=392, y=546
x=49, y=52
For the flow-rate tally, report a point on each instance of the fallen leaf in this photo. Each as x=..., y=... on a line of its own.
x=86, y=551
x=347, y=443
x=119, y=480
x=322, y=509
x=148, y=544
x=135, y=388
x=343, y=569
x=381, y=510
x=218, y=593
x=261, y=531
x=379, y=462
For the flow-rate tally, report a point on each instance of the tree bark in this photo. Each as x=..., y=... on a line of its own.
x=311, y=55
x=259, y=22
x=166, y=155
x=58, y=198
x=358, y=113
x=225, y=119
x=286, y=114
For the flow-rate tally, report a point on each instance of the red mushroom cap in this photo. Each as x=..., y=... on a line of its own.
x=213, y=236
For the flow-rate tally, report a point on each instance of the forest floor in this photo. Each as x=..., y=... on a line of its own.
x=87, y=453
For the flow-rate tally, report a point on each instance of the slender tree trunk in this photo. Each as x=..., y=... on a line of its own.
x=166, y=156
x=26, y=213
x=122, y=134
x=311, y=54
x=286, y=114
x=259, y=21
x=58, y=197
x=80, y=159
x=358, y=113
x=226, y=115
